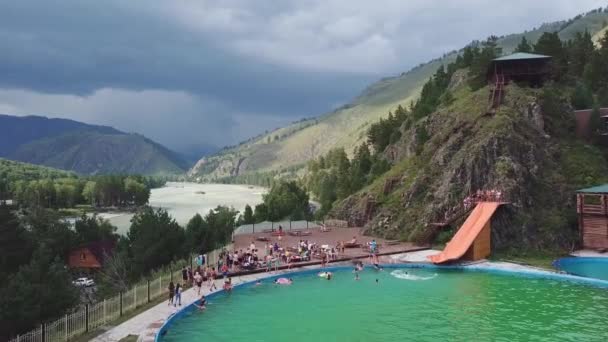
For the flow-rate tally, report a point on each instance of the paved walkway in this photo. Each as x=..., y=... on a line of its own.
x=589, y=253
x=148, y=322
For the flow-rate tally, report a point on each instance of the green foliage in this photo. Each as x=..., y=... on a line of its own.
x=523, y=46
x=481, y=62
x=261, y=213
x=155, y=240
x=39, y=291
x=582, y=98
x=549, y=44
x=596, y=125
x=422, y=136
x=15, y=242
x=248, y=215
x=103, y=191
x=211, y=232
x=93, y=228
x=286, y=200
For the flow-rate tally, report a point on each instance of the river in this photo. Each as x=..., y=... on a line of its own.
x=184, y=200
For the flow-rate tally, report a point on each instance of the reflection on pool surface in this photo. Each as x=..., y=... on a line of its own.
x=584, y=267
x=404, y=304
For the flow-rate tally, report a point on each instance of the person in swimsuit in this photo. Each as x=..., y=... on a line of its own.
x=203, y=302
x=198, y=280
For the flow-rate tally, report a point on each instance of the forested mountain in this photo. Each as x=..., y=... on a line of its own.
x=83, y=148
x=418, y=165
x=286, y=150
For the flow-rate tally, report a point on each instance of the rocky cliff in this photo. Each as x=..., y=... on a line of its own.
x=528, y=153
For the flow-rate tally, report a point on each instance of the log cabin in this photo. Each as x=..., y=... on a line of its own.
x=592, y=210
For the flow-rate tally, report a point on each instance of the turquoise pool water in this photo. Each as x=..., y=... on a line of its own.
x=404, y=305
x=584, y=267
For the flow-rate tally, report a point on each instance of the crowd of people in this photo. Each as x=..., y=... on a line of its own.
x=274, y=256
x=491, y=195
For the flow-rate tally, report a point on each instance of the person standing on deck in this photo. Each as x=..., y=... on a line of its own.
x=171, y=289
x=178, y=295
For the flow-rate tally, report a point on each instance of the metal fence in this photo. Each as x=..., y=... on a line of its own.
x=93, y=316
x=273, y=226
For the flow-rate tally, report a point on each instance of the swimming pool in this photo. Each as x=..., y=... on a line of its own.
x=584, y=266
x=405, y=304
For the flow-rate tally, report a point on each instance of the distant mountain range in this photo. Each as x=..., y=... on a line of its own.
x=83, y=148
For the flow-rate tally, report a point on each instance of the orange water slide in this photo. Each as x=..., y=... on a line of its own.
x=467, y=234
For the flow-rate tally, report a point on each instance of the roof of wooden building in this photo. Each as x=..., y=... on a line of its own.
x=520, y=56
x=600, y=189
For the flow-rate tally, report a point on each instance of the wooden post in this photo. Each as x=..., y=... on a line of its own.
x=253, y=227
x=148, y=290
x=105, y=315
x=43, y=327
x=66, y=327
x=289, y=224
x=135, y=296
x=86, y=317
x=120, y=296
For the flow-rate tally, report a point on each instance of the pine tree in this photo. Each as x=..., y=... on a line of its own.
x=523, y=46
x=595, y=125
x=580, y=53
x=582, y=97
x=489, y=51
x=549, y=44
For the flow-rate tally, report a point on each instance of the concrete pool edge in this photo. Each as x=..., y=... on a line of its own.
x=488, y=267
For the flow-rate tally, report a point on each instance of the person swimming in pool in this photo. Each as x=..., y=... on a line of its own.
x=202, y=304
x=283, y=281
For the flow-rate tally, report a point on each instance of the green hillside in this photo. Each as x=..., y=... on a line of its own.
x=346, y=127
x=90, y=152
x=11, y=170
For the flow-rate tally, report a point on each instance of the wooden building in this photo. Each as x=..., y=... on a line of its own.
x=592, y=210
x=91, y=256
x=582, y=121
x=520, y=67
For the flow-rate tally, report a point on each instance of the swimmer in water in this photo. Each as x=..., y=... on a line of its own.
x=328, y=275
x=356, y=275
x=202, y=304
x=377, y=267
x=376, y=280
x=258, y=283
x=283, y=281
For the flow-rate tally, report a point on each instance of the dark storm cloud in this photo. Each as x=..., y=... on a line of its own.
x=188, y=72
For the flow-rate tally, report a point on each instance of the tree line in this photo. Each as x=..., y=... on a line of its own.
x=97, y=191
x=36, y=241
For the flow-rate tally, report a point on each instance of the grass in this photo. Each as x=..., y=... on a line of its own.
x=125, y=317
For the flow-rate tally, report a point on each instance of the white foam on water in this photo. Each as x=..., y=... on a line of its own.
x=401, y=274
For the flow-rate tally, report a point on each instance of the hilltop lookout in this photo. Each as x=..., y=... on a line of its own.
x=520, y=67
x=517, y=67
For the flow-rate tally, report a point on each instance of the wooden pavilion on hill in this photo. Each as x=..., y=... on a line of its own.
x=517, y=67
x=592, y=210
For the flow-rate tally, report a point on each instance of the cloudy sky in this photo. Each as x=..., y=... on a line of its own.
x=190, y=73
